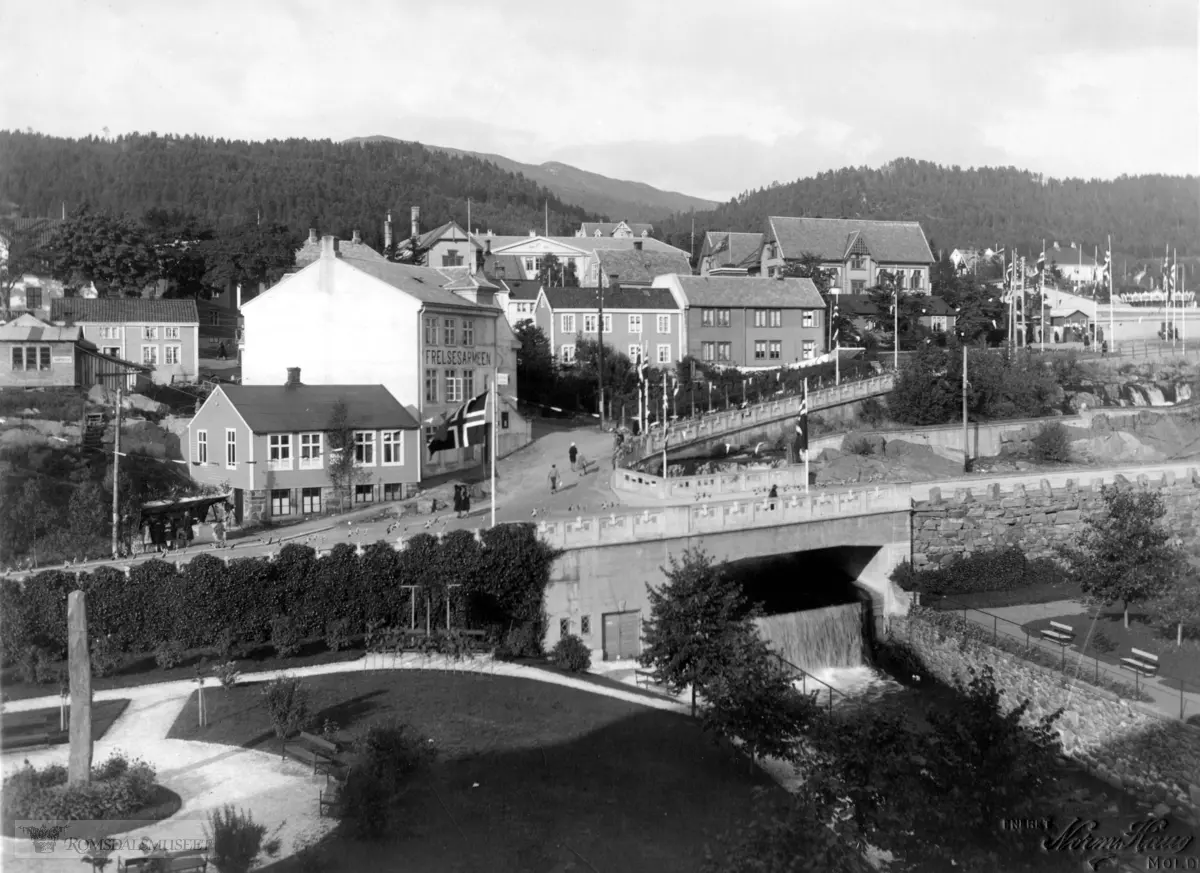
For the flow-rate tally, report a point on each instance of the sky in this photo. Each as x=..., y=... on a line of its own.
x=710, y=99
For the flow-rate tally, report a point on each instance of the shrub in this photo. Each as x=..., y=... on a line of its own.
x=105, y=656
x=990, y=570
x=1052, y=443
x=170, y=654
x=860, y=446
x=522, y=641
x=116, y=765
x=228, y=674
x=287, y=704
x=118, y=788
x=34, y=665
x=571, y=654
x=227, y=645
x=236, y=840
x=390, y=756
x=337, y=634
x=286, y=636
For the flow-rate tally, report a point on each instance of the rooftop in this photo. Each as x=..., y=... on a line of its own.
x=620, y=298
x=641, y=267
x=586, y=243
x=290, y=408
x=736, y=291
x=125, y=310
x=732, y=249
x=311, y=250
x=38, y=230
x=29, y=328
x=831, y=239
x=423, y=283
x=606, y=228
x=523, y=289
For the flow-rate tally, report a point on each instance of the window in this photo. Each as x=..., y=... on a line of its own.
x=214, y=318
x=806, y=318
x=724, y=351
x=448, y=332
x=775, y=350
x=635, y=352
x=760, y=318
x=589, y=323
x=393, y=447
x=231, y=448
x=150, y=355
x=901, y=280
x=33, y=297
x=635, y=324
x=452, y=258
x=281, y=501
x=664, y=324
x=708, y=351
x=810, y=349
x=568, y=323
x=857, y=286
x=310, y=500
x=706, y=318
x=585, y=625
x=431, y=332
x=776, y=318
x=938, y=323
x=468, y=332
x=279, y=451
x=857, y=263
x=567, y=353
x=393, y=491
x=916, y=280
x=760, y=350
x=111, y=351
x=364, y=493
x=310, y=451
x=111, y=332
x=468, y=381
x=607, y=323
x=172, y=354
x=201, y=447
x=453, y=387
x=564, y=627
x=150, y=333
x=31, y=357
x=664, y=353
x=530, y=266
x=364, y=448
x=171, y=333
x=431, y=394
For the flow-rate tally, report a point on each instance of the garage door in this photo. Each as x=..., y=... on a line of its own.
x=621, y=639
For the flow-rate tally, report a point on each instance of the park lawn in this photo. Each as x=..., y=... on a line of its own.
x=1040, y=593
x=1110, y=642
x=529, y=774
x=104, y=713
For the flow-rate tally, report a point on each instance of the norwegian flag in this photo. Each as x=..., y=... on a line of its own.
x=834, y=339
x=643, y=366
x=802, y=424
x=1106, y=270
x=466, y=427
x=1041, y=265
x=1168, y=275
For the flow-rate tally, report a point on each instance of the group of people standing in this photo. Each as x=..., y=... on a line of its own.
x=579, y=464
x=167, y=533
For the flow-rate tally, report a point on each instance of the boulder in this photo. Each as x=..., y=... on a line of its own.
x=100, y=396
x=141, y=403
x=873, y=441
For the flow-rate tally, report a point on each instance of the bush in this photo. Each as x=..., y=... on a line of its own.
x=860, y=446
x=337, y=634
x=991, y=570
x=170, y=654
x=227, y=645
x=228, y=674
x=390, y=756
x=286, y=636
x=522, y=641
x=235, y=840
x=34, y=665
x=1052, y=443
x=571, y=654
x=105, y=656
x=118, y=788
x=287, y=705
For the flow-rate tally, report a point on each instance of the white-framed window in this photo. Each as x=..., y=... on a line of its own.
x=595, y=271
x=468, y=332
x=567, y=353
x=111, y=351
x=707, y=317
x=567, y=323
x=917, y=280
x=448, y=332
x=171, y=333
x=150, y=355
x=431, y=331
x=310, y=500
x=634, y=352
x=938, y=323
x=231, y=448
x=724, y=351
x=431, y=380
x=775, y=350
x=468, y=381
x=809, y=349
x=281, y=501
x=110, y=332
x=310, y=451
x=454, y=387
x=201, y=447
x=392, y=442
x=664, y=353
x=279, y=451
x=150, y=332
x=589, y=323
x=664, y=324
x=172, y=354
x=607, y=322
x=760, y=350
x=531, y=266
x=776, y=317
x=635, y=324
x=31, y=357
x=723, y=319
x=760, y=318
x=364, y=448
x=708, y=351
x=806, y=318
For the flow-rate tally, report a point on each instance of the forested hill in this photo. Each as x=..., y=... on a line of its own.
x=981, y=207
x=301, y=183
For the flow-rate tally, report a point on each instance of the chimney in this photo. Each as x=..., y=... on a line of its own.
x=387, y=232
x=312, y=235
x=533, y=233
x=613, y=284
x=637, y=245
x=329, y=247
x=355, y=238
x=293, y=377
x=416, y=222
x=487, y=246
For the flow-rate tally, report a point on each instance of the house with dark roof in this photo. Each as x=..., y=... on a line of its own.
x=620, y=229
x=37, y=354
x=448, y=245
x=730, y=254
x=638, y=266
x=160, y=334
x=270, y=446
x=853, y=250
x=311, y=250
x=636, y=321
x=433, y=338
x=749, y=323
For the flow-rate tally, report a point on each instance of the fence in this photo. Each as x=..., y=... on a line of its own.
x=799, y=673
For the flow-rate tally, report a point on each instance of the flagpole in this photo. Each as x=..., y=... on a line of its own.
x=1112, y=339
x=664, y=425
x=1042, y=302
x=1174, y=296
x=806, y=435
x=493, y=442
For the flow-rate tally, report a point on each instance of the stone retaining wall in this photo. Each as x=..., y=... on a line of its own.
x=1036, y=520
x=1154, y=758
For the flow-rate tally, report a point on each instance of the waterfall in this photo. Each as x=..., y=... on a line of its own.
x=815, y=639
x=1137, y=396
x=1154, y=395
x=1183, y=392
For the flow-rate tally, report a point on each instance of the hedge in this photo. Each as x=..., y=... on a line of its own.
x=992, y=570
x=502, y=586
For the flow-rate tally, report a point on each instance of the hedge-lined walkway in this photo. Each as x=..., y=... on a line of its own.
x=206, y=775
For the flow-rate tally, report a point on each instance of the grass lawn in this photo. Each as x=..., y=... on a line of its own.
x=529, y=774
x=1110, y=642
x=1042, y=593
x=13, y=724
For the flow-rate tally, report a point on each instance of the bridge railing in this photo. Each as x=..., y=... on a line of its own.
x=820, y=690
x=717, y=424
x=709, y=485
x=670, y=522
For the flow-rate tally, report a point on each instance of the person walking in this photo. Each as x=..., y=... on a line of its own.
x=553, y=478
x=221, y=352
x=583, y=464
x=219, y=533
x=573, y=454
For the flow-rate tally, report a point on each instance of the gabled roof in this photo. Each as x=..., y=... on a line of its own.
x=857, y=306
x=136, y=310
x=587, y=299
x=431, y=236
x=30, y=328
x=311, y=251
x=732, y=249
x=461, y=278
x=830, y=239
x=287, y=409
x=423, y=283
x=584, y=244
x=502, y=267
x=641, y=267
x=519, y=289
x=39, y=230
x=607, y=228
x=737, y=292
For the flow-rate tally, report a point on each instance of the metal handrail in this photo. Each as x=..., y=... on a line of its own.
x=785, y=664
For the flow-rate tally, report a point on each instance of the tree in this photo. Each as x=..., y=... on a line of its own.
x=342, y=469
x=697, y=622
x=1125, y=555
x=109, y=250
x=1179, y=607
x=925, y=391
x=554, y=274
x=178, y=239
x=25, y=255
x=535, y=362
x=808, y=266
x=248, y=255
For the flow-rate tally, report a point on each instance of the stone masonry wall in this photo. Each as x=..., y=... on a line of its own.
x=1036, y=520
x=1154, y=758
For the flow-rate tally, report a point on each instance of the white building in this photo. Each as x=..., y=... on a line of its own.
x=582, y=251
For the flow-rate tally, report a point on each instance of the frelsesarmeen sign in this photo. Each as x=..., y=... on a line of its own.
x=458, y=357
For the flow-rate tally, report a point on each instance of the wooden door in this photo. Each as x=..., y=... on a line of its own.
x=621, y=635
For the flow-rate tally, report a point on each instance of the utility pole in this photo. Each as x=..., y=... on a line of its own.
x=600, y=347
x=966, y=436
x=116, y=502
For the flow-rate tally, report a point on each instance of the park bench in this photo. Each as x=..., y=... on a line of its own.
x=644, y=678
x=312, y=749
x=330, y=797
x=1141, y=662
x=1063, y=634
x=28, y=739
x=169, y=862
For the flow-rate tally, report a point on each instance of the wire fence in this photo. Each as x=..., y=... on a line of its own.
x=810, y=685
